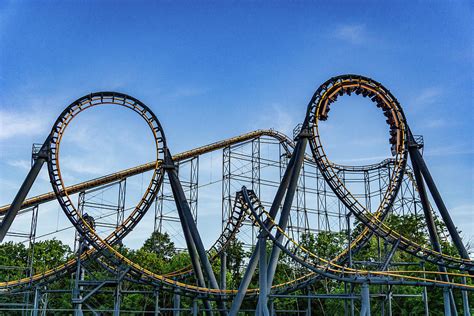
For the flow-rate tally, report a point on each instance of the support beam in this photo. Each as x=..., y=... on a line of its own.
x=223, y=271
x=176, y=304
x=389, y=256
x=453, y=232
x=76, y=291
x=365, y=300
x=195, y=308
x=447, y=305
x=187, y=221
x=430, y=223
x=262, y=307
x=193, y=253
x=118, y=296
x=285, y=212
x=465, y=300
x=24, y=189
x=156, y=293
x=36, y=302
x=389, y=299
x=186, y=215
x=252, y=265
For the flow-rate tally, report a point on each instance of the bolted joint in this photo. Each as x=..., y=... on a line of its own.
x=168, y=166
x=413, y=144
x=305, y=133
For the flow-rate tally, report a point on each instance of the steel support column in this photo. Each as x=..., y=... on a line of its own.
x=193, y=254
x=262, y=307
x=76, y=292
x=156, y=293
x=447, y=299
x=252, y=265
x=187, y=219
x=223, y=271
x=24, y=189
x=176, y=304
x=254, y=257
x=365, y=300
x=36, y=302
x=285, y=212
x=465, y=300
x=453, y=232
x=434, y=238
x=118, y=292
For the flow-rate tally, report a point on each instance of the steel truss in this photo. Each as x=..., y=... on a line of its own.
x=303, y=193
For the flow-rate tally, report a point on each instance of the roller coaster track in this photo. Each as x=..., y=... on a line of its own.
x=332, y=270
x=231, y=227
x=50, y=196
x=318, y=109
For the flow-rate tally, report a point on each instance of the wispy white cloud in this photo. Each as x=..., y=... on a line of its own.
x=352, y=33
x=427, y=96
x=86, y=165
x=436, y=123
x=21, y=164
x=453, y=150
x=31, y=115
x=281, y=120
x=463, y=209
x=14, y=124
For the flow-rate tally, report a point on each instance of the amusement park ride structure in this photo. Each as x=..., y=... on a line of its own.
x=310, y=194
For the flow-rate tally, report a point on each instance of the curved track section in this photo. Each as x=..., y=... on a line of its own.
x=318, y=110
x=329, y=269
x=63, y=196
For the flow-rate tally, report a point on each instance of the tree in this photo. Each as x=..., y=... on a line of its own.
x=160, y=244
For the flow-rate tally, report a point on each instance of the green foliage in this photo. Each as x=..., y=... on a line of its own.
x=159, y=255
x=235, y=259
x=159, y=244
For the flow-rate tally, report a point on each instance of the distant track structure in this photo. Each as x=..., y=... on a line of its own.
x=273, y=221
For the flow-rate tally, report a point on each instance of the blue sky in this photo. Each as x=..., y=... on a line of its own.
x=212, y=70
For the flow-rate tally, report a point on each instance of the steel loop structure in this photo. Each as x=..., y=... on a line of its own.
x=63, y=197
x=272, y=228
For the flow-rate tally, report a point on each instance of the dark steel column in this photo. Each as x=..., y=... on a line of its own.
x=176, y=304
x=188, y=220
x=434, y=239
x=190, y=244
x=252, y=265
x=223, y=269
x=285, y=212
x=365, y=300
x=24, y=189
x=156, y=294
x=262, y=307
x=465, y=300
x=453, y=232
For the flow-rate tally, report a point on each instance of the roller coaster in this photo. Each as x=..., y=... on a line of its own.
x=275, y=219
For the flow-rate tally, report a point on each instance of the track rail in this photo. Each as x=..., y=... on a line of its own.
x=332, y=270
x=318, y=110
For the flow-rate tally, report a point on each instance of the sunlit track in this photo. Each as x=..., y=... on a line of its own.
x=198, y=279
x=50, y=196
x=200, y=150
x=332, y=270
x=318, y=110
x=288, y=145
